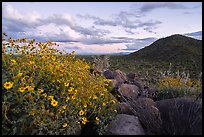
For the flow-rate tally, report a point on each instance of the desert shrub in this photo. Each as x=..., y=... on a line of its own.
x=177, y=86
x=47, y=92
x=101, y=62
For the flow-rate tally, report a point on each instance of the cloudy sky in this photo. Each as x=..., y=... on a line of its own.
x=101, y=27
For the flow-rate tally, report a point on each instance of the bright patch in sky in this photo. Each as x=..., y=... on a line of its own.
x=101, y=27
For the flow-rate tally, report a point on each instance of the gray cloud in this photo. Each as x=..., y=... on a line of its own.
x=124, y=39
x=127, y=20
x=90, y=31
x=57, y=19
x=196, y=35
x=90, y=35
x=187, y=13
x=100, y=21
x=8, y=26
x=140, y=43
x=100, y=41
x=125, y=14
x=149, y=23
x=62, y=37
x=14, y=24
x=149, y=39
x=149, y=6
x=73, y=47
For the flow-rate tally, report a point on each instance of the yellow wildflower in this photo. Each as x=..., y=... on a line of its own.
x=85, y=106
x=66, y=84
x=32, y=62
x=19, y=74
x=84, y=120
x=40, y=91
x=64, y=125
x=53, y=58
x=64, y=107
x=50, y=97
x=13, y=61
x=109, y=80
x=29, y=88
x=113, y=101
x=44, y=95
x=79, y=79
x=21, y=89
x=61, y=111
x=71, y=89
x=54, y=103
x=95, y=97
x=81, y=112
x=97, y=119
x=73, y=97
x=68, y=98
x=189, y=83
x=8, y=85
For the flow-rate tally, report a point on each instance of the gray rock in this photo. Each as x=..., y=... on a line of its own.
x=131, y=76
x=181, y=116
x=148, y=114
x=120, y=76
x=123, y=108
x=129, y=91
x=109, y=74
x=125, y=125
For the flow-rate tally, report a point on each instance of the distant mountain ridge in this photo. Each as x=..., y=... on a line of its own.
x=174, y=48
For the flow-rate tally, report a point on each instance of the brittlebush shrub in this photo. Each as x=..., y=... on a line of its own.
x=46, y=92
x=176, y=86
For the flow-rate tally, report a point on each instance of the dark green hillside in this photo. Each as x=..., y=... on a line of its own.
x=175, y=48
x=184, y=53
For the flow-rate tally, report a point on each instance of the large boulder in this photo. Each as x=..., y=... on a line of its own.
x=120, y=77
x=124, y=108
x=109, y=74
x=148, y=114
x=131, y=76
x=140, y=84
x=125, y=125
x=134, y=76
x=128, y=91
x=181, y=116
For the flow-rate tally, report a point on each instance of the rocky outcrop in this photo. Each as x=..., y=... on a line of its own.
x=148, y=114
x=120, y=77
x=181, y=116
x=125, y=125
x=129, y=91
